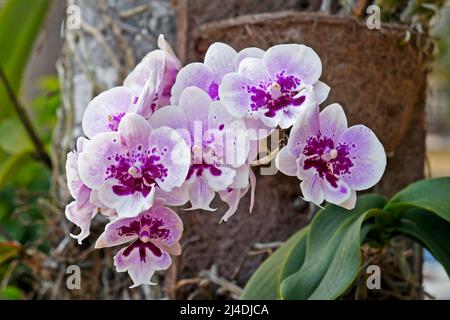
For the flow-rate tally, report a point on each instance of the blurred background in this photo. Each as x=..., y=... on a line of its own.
x=40, y=112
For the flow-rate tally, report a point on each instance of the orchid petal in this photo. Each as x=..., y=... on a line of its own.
x=294, y=59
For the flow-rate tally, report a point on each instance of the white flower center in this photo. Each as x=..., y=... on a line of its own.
x=275, y=90
x=330, y=155
x=134, y=171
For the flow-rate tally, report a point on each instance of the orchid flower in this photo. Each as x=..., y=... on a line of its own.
x=220, y=59
x=145, y=89
x=86, y=205
x=126, y=166
x=154, y=76
x=332, y=160
x=218, y=146
x=153, y=235
x=272, y=90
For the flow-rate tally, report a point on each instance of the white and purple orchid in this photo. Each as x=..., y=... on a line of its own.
x=86, y=204
x=272, y=90
x=127, y=166
x=144, y=154
x=220, y=59
x=332, y=160
x=153, y=78
x=146, y=89
x=218, y=145
x=153, y=235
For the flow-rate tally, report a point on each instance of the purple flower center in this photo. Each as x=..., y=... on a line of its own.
x=147, y=228
x=329, y=161
x=114, y=120
x=276, y=95
x=213, y=91
x=136, y=172
x=198, y=169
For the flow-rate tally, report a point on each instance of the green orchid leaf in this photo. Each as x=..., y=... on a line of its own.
x=431, y=194
x=429, y=230
x=264, y=283
x=20, y=23
x=332, y=258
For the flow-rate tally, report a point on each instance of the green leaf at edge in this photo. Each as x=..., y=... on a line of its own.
x=20, y=23
x=264, y=283
x=332, y=253
x=430, y=194
x=430, y=230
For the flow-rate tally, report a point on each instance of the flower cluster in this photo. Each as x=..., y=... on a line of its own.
x=173, y=136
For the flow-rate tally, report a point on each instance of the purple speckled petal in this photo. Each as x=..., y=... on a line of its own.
x=233, y=94
x=272, y=121
x=220, y=59
x=221, y=181
x=251, y=52
x=367, y=155
x=289, y=116
x=106, y=110
x=134, y=131
x=173, y=153
x=333, y=122
x=94, y=159
x=125, y=230
x=338, y=194
x=286, y=163
x=296, y=60
x=303, y=174
x=313, y=189
x=195, y=75
x=307, y=125
x=229, y=133
x=141, y=263
x=126, y=205
x=253, y=68
x=200, y=194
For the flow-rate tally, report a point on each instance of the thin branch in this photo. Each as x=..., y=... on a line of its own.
x=24, y=118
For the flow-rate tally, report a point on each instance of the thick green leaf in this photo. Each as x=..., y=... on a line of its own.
x=20, y=23
x=332, y=252
x=431, y=194
x=264, y=283
x=430, y=230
